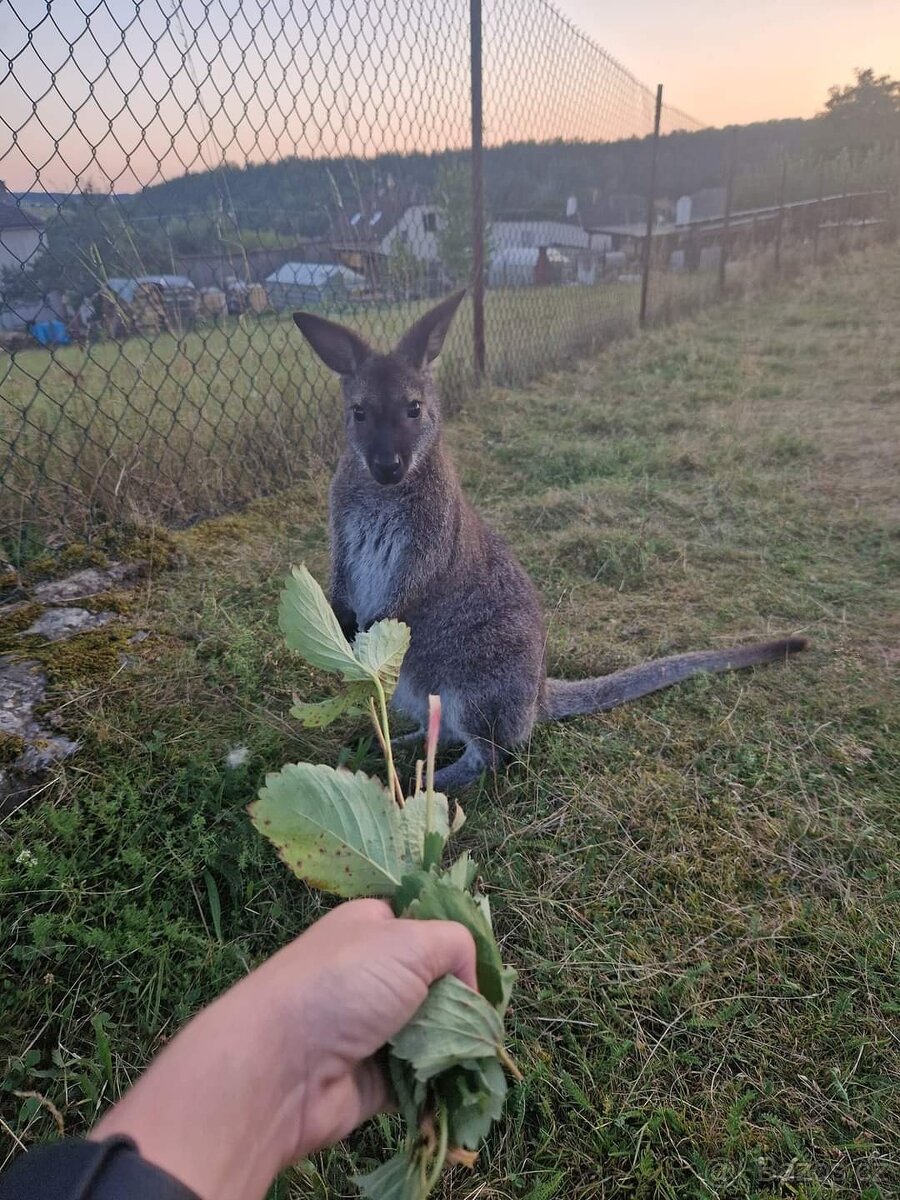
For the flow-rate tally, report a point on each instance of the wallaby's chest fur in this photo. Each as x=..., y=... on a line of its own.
x=374, y=539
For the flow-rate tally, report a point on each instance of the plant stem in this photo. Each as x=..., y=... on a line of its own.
x=441, y=1153
x=384, y=731
x=373, y=712
x=510, y=1065
x=434, y=719
x=384, y=743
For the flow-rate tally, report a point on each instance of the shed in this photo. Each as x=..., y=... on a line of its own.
x=148, y=304
x=523, y=266
x=312, y=283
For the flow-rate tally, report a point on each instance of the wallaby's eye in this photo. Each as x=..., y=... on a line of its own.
x=359, y=413
x=414, y=409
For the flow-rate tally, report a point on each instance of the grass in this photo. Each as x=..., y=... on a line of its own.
x=166, y=428
x=169, y=428
x=700, y=890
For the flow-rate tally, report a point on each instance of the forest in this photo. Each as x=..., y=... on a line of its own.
x=854, y=143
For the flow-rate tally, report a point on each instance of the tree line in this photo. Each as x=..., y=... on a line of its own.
x=853, y=142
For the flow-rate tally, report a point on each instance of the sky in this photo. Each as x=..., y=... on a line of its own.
x=736, y=61
x=125, y=93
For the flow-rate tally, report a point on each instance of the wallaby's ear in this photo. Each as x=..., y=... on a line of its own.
x=339, y=348
x=423, y=341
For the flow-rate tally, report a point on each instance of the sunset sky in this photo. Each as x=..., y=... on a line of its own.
x=192, y=83
x=734, y=61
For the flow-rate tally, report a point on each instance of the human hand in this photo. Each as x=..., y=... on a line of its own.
x=347, y=986
x=281, y=1064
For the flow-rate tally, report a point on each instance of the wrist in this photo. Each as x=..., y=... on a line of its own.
x=222, y=1107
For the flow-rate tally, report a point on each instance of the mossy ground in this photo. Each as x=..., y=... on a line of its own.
x=12, y=746
x=700, y=890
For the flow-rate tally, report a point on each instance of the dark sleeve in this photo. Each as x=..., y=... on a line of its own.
x=75, y=1170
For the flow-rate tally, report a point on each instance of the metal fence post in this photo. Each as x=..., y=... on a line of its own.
x=477, y=190
x=779, y=221
x=651, y=205
x=818, y=210
x=729, y=200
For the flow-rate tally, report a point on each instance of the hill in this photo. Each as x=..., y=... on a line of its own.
x=297, y=196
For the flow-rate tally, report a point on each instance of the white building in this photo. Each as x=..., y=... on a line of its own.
x=417, y=228
x=21, y=235
x=295, y=284
x=708, y=203
x=506, y=235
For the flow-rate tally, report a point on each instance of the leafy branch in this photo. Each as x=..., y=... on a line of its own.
x=348, y=834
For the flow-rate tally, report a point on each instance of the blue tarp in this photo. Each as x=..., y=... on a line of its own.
x=50, y=333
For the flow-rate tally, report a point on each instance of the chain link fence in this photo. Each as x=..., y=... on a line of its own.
x=180, y=175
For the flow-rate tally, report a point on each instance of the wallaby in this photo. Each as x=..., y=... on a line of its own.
x=406, y=543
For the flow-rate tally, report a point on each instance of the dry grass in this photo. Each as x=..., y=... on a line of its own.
x=170, y=428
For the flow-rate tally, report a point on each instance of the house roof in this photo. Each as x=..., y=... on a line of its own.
x=125, y=289
x=167, y=281
x=301, y=274
x=373, y=216
x=13, y=217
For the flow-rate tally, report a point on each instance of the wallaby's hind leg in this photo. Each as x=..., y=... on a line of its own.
x=471, y=764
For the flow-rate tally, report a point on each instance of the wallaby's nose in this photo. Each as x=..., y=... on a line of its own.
x=387, y=468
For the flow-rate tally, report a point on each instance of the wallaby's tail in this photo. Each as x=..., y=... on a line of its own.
x=563, y=698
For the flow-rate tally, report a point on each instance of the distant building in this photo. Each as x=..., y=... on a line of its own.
x=707, y=204
x=527, y=266
x=417, y=228
x=534, y=233
x=146, y=304
x=388, y=224
x=21, y=235
x=296, y=284
x=598, y=211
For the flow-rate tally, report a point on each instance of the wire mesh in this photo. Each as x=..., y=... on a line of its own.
x=212, y=164
x=180, y=175
x=568, y=126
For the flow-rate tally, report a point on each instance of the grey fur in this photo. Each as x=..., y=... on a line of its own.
x=417, y=550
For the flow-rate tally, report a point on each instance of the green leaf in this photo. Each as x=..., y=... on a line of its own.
x=508, y=977
x=439, y=900
x=397, y=1179
x=310, y=627
x=382, y=648
x=462, y=873
x=413, y=821
x=353, y=701
x=484, y=907
x=336, y=830
x=474, y=1094
x=452, y=1025
x=434, y=848
x=410, y=888
x=409, y=1091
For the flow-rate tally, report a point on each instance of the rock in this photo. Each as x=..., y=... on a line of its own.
x=59, y=623
x=88, y=582
x=22, y=688
x=30, y=745
x=43, y=753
